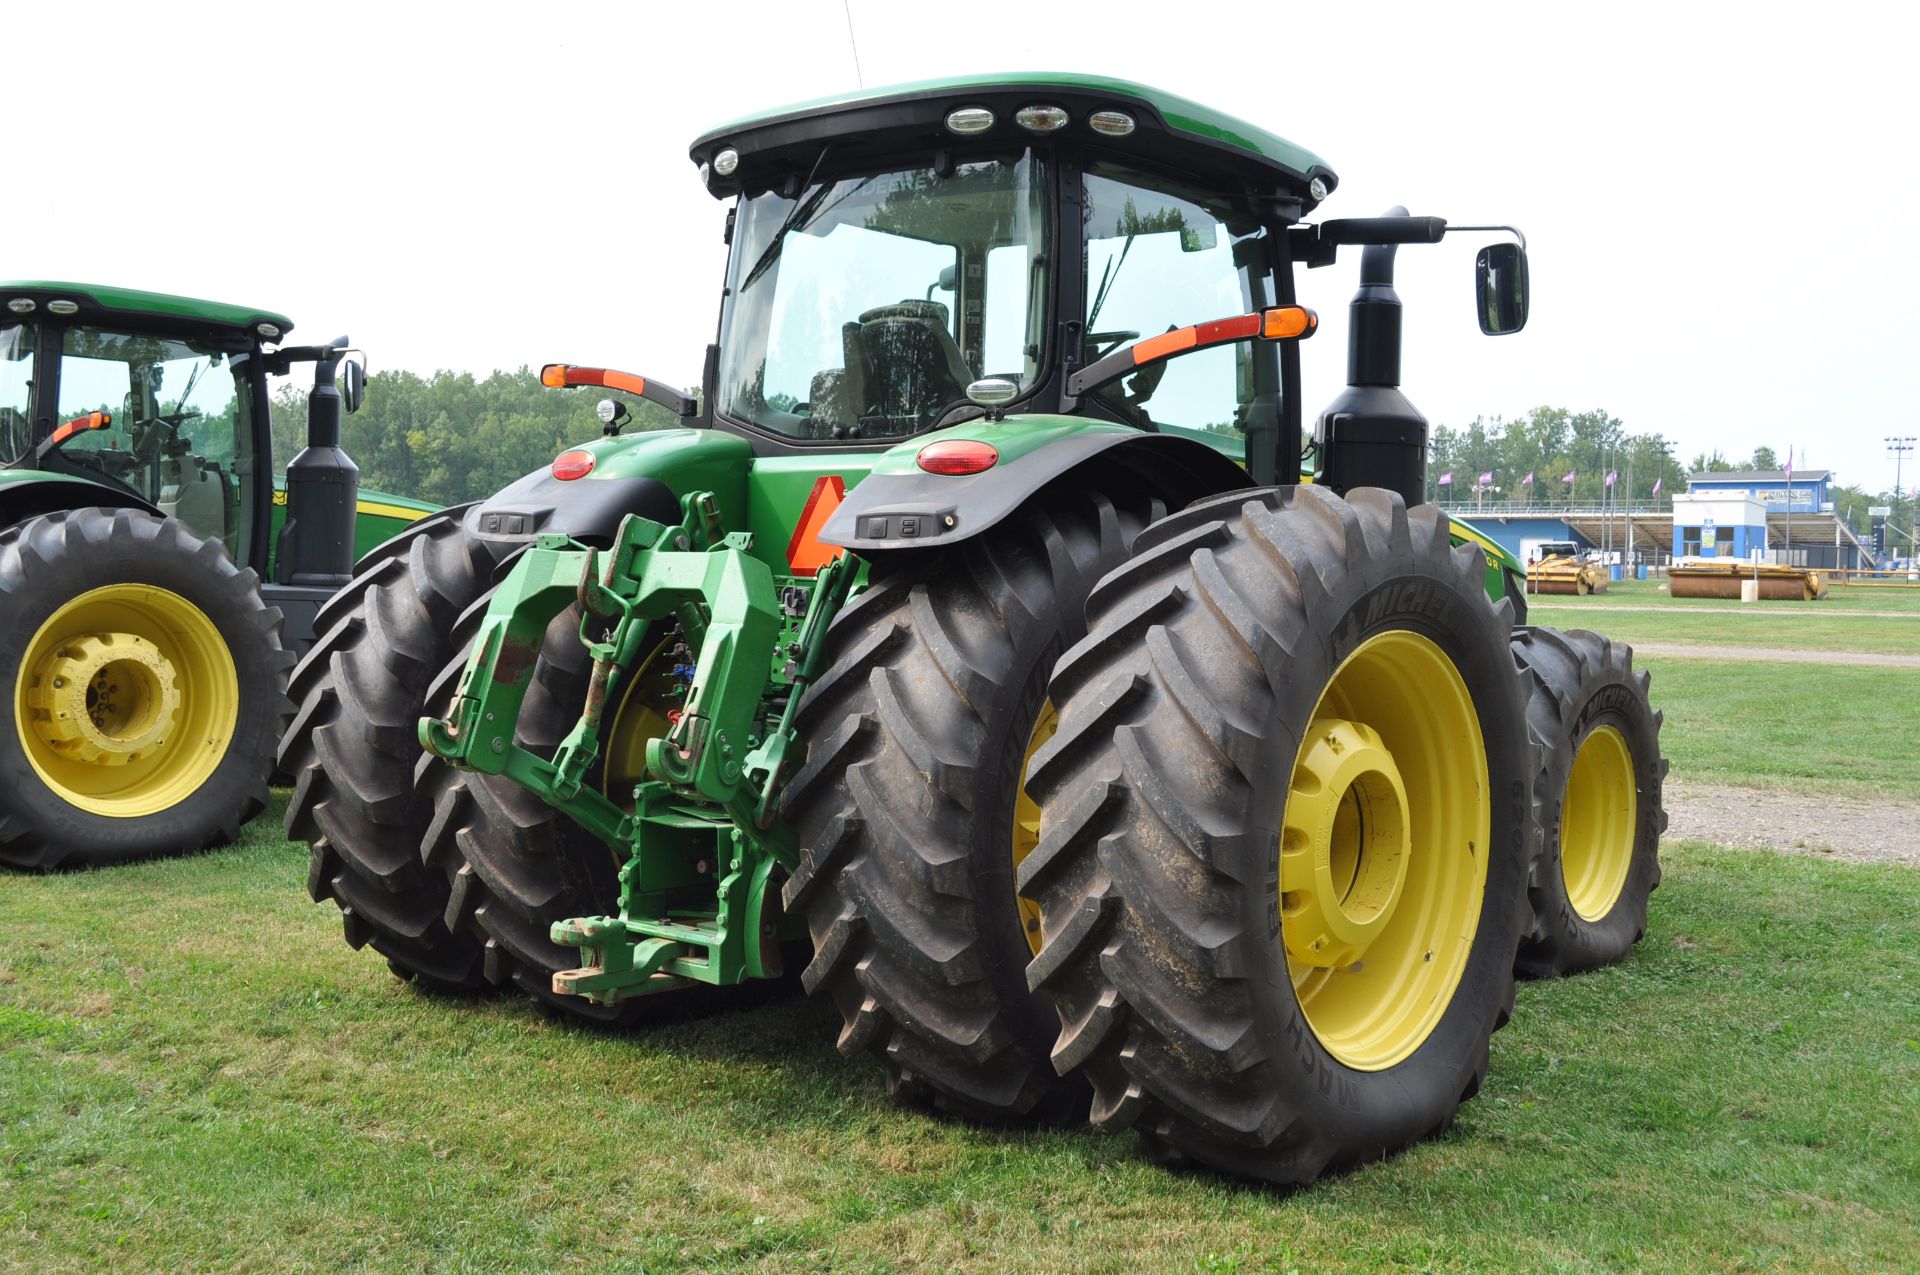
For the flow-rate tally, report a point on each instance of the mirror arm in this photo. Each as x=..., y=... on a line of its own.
x=1511, y=230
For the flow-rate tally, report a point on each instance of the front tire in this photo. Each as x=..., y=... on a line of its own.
x=147, y=686
x=1286, y=824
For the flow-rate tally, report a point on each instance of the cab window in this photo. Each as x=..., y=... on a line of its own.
x=182, y=423
x=1162, y=255
x=862, y=308
x=16, y=391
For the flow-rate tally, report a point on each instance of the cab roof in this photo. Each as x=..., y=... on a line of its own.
x=101, y=300
x=772, y=144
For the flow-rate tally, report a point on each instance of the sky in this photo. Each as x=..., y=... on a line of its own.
x=1717, y=198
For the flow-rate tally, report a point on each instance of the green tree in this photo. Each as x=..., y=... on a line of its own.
x=455, y=437
x=1764, y=459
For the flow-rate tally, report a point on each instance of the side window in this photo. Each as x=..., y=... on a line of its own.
x=1161, y=257
x=1008, y=347
x=16, y=391
x=182, y=432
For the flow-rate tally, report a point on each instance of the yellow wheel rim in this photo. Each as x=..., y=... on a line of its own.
x=1026, y=821
x=640, y=718
x=1597, y=822
x=126, y=701
x=1383, y=850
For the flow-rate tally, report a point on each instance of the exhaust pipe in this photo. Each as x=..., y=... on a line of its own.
x=316, y=546
x=1371, y=435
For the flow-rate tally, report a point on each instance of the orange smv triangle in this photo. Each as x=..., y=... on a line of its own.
x=805, y=553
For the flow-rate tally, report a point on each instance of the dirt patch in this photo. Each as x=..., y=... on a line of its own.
x=1775, y=654
x=1856, y=829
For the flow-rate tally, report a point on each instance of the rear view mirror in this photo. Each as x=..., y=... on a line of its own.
x=353, y=384
x=1500, y=278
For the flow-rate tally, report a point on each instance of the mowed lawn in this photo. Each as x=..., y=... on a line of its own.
x=1874, y=620
x=197, y=1074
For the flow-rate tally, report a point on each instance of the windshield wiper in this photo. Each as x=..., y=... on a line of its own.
x=803, y=208
x=1107, y=278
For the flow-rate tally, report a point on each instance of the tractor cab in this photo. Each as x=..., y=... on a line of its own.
x=159, y=408
x=115, y=398
x=892, y=249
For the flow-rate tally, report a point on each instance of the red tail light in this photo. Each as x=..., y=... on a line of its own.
x=958, y=456
x=568, y=466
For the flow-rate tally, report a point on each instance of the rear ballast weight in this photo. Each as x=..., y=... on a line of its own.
x=703, y=821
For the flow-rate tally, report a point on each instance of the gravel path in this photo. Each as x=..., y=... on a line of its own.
x=1856, y=829
x=1775, y=654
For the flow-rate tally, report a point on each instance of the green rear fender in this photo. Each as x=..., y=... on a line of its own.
x=645, y=473
x=901, y=506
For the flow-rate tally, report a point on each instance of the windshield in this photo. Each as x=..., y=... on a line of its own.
x=883, y=298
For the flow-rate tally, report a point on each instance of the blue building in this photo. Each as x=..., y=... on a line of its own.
x=1807, y=494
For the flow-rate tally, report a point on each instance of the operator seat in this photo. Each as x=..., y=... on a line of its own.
x=913, y=365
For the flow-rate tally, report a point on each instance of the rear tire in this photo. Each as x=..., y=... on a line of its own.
x=1600, y=778
x=918, y=735
x=1250, y=645
x=352, y=747
x=173, y=605
x=515, y=865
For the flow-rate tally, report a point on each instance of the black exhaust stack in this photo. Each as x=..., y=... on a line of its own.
x=316, y=547
x=1370, y=435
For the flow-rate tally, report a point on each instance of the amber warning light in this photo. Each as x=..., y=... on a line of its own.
x=1282, y=323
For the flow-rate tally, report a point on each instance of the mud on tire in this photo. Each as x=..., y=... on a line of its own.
x=1184, y=722
x=513, y=864
x=54, y=559
x=918, y=735
x=352, y=747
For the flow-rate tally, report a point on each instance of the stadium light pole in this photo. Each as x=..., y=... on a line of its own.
x=1898, y=445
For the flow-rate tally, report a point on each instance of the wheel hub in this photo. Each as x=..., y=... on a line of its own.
x=107, y=699
x=1597, y=823
x=1344, y=848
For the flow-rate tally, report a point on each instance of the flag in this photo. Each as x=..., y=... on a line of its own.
x=1789, y=464
x=1612, y=476
x=1656, y=485
x=1486, y=479
x=1569, y=477
x=1528, y=480
x=1446, y=479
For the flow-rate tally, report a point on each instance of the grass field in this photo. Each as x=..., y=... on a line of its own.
x=1821, y=728
x=1823, y=631
x=195, y=1073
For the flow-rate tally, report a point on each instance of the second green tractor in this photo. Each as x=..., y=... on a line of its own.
x=996, y=638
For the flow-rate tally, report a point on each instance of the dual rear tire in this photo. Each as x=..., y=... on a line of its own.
x=1287, y=825
x=1600, y=795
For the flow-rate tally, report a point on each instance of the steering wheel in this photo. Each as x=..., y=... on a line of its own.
x=1115, y=339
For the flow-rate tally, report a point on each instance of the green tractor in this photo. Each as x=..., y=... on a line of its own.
x=994, y=634
x=143, y=659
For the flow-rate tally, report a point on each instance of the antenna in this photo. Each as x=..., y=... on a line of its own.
x=847, y=7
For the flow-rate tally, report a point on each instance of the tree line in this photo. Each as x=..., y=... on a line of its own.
x=455, y=437
x=1551, y=455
